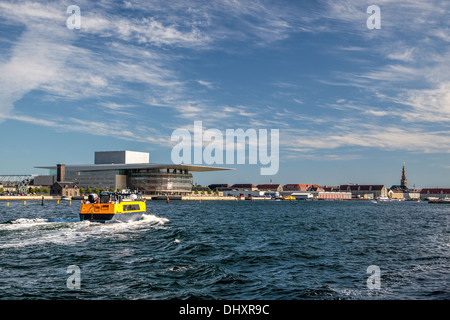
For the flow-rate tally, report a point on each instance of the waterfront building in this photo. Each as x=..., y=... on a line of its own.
x=219, y=187
x=402, y=191
x=16, y=182
x=365, y=191
x=333, y=195
x=64, y=189
x=412, y=195
x=244, y=193
x=315, y=187
x=396, y=194
x=244, y=187
x=125, y=170
x=296, y=187
x=440, y=193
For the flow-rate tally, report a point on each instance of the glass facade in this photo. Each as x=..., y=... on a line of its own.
x=160, y=181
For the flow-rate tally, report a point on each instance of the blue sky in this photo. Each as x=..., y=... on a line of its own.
x=351, y=103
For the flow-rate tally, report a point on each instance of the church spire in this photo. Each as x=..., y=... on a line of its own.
x=403, y=182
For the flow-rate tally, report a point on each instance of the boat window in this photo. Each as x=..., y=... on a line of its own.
x=131, y=207
x=104, y=198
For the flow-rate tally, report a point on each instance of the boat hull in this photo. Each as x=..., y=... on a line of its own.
x=112, y=217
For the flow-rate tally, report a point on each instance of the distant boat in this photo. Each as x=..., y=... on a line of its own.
x=446, y=200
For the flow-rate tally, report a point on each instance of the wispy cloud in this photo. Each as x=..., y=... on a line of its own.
x=135, y=51
x=373, y=136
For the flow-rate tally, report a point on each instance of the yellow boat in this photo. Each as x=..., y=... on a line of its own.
x=289, y=198
x=113, y=207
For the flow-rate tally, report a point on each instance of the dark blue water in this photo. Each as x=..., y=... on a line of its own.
x=228, y=250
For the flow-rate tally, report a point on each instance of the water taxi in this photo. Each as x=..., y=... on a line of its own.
x=113, y=207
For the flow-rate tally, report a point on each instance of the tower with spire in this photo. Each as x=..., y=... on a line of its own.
x=403, y=181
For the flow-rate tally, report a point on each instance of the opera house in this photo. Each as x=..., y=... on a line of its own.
x=125, y=170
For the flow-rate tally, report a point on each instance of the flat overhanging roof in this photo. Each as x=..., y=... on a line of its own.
x=110, y=167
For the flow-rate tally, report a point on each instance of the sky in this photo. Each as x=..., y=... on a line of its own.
x=351, y=103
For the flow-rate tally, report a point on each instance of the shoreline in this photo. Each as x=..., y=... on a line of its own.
x=176, y=198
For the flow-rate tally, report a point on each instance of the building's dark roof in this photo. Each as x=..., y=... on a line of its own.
x=399, y=188
x=435, y=190
x=215, y=186
x=268, y=186
x=358, y=187
x=243, y=186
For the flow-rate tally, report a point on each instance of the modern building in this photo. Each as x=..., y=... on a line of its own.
x=129, y=170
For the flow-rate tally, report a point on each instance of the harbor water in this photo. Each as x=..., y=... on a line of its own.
x=261, y=250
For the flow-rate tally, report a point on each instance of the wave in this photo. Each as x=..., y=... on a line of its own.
x=69, y=232
x=154, y=219
x=22, y=223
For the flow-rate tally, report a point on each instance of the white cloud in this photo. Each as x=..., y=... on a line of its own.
x=406, y=55
x=207, y=84
x=429, y=105
x=33, y=62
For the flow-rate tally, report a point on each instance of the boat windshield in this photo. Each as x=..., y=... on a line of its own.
x=117, y=197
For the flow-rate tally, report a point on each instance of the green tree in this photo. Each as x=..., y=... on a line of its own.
x=119, y=190
x=39, y=190
x=81, y=190
x=88, y=190
x=196, y=191
x=96, y=190
x=216, y=192
x=46, y=190
x=209, y=191
x=111, y=189
x=1, y=190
